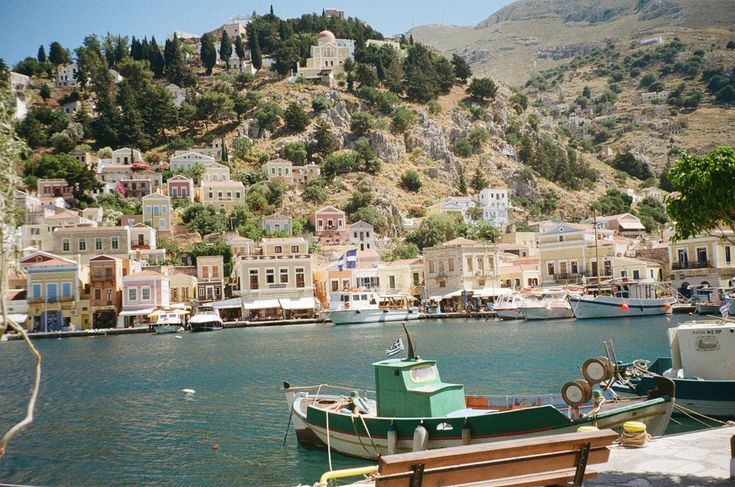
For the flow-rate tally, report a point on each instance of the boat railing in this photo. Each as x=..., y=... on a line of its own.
x=319, y=387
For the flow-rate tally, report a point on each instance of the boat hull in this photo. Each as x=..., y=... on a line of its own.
x=509, y=313
x=543, y=313
x=166, y=329
x=201, y=327
x=367, y=437
x=353, y=317
x=613, y=307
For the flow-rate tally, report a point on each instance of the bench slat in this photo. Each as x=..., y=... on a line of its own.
x=535, y=480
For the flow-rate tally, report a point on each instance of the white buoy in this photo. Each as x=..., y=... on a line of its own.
x=188, y=391
x=392, y=439
x=178, y=336
x=420, y=438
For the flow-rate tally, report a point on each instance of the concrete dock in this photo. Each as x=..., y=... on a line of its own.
x=701, y=458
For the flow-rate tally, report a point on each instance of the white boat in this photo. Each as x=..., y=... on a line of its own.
x=364, y=306
x=628, y=298
x=552, y=305
x=206, y=319
x=169, y=321
x=508, y=307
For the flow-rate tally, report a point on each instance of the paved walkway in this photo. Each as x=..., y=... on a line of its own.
x=689, y=459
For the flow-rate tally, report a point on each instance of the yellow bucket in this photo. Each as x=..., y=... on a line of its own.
x=587, y=429
x=634, y=427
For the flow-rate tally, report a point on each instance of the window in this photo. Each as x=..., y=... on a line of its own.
x=215, y=271
x=98, y=243
x=145, y=293
x=270, y=276
x=335, y=284
x=114, y=243
x=300, y=277
x=65, y=245
x=480, y=264
x=573, y=265
x=450, y=265
x=82, y=244
x=36, y=291
x=148, y=210
x=284, y=276
x=98, y=294
x=636, y=274
x=294, y=249
x=278, y=249
x=728, y=255
x=702, y=254
x=98, y=272
x=253, y=278
x=550, y=268
x=607, y=266
x=561, y=238
x=392, y=282
x=354, y=234
x=320, y=223
x=162, y=224
x=132, y=294
x=416, y=280
x=469, y=264
x=109, y=295
x=431, y=267
x=205, y=272
x=563, y=267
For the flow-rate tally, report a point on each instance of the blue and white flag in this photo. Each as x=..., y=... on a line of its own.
x=348, y=260
x=725, y=309
x=397, y=347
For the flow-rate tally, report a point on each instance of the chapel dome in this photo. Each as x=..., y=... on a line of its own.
x=325, y=36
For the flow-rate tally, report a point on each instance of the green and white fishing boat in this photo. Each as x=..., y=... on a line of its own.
x=414, y=410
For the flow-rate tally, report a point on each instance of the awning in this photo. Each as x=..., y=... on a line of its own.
x=490, y=292
x=435, y=298
x=298, y=303
x=18, y=318
x=631, y=225
x=137, y=312
x=227, y=304
x=260, y=304
x=453, y=294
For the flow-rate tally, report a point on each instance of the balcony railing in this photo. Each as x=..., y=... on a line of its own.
x=564, y=276
x=702, y=264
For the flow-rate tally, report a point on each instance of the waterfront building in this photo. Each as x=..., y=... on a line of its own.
x=105, y=290
x=460, y=265
x=143, y=292
x=518, y=272
x=125, y=156
x=54, y=291
x=239, y=245
x=180, y=187
x=222, y=195
x=362, y=235
x=330, y=225
x=279, y=169
x=183, y=285
x=158, y=212
x=703, y=261
x=215, y=172
x=142, y=237
x=277, y=223
x=405, y=277
x=83, y=242
x=210, y=277
x=188, y=160
x=526, y=243
x=276, y=279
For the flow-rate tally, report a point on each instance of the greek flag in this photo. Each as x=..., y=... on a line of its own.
x=348, y=260
x=725, y=309
x=397, y=347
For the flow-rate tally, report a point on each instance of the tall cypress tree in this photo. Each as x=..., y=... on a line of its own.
x=41, y=54
x=208, y=53
x=155, y=58
x=225, y=49
x=239, y=50
x=255, y=54
x=174, y=61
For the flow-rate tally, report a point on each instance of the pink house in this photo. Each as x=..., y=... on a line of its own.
x=143, y=293
x=330, y=225
x=180, y=187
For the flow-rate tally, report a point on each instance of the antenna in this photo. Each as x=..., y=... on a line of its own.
x=411, y=354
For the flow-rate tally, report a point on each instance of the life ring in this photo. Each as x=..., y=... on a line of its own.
x=347, y=305
x=614, y=288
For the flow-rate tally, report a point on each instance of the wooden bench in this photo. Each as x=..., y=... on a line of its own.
x=540, y=461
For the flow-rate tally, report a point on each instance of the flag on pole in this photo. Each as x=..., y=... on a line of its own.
x=397, y=347
x=725, y=309
x=348, y=260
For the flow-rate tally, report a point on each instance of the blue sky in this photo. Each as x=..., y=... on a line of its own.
x=26, y=24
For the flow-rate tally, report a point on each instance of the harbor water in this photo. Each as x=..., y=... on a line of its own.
x=112, y=411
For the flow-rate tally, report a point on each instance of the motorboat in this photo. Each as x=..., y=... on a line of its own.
x=206, y=319
x=508, y=307
x=356, y=306
x=626, y=299
x=551, y=305
x=168, y=321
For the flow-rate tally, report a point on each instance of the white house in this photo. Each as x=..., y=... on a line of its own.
x=66, y=77
x=495, y=204
x=124, y=156
x=188, y=160
x=329, y=54
x=177, y=93
x=216, y=172
x=362, y=235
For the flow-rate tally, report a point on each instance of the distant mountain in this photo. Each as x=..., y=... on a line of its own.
x=528, y=36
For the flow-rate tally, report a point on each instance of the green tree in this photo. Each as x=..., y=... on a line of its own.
x=225, y=49
x=403, y=119
x=155, y=58
x=239, y=50
x=315, y=191
x=295, y=152
x=361, y=123
x=215, y=107
x=411, y=180
x=462, y=184
x=45, y=92
x=435, y=229
x=268, y=115
x=482, y=88
x=255, y=54
x=324, y=142
x=58, y=55
x=482, y=231
x=706, y=196
x=242, y=147
x=632, y=165
x=296, y=118
x=462, y=70
x=404, y=250
x=41, y=56
x=422, y=82
x=208, y=53
x=613, y=202
x=479, y=181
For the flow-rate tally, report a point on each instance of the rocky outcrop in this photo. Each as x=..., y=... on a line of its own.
x=524, y=183
x=428, y=136
x=252, y=130
x=389, y=148
x=338, y=114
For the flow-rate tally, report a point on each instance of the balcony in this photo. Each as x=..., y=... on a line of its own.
x=702, y=264
x=566, y=276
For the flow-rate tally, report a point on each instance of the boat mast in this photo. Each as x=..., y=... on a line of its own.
x=597, y=251
x=411, y=355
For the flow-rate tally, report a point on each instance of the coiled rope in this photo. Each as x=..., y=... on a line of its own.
x=634, y=440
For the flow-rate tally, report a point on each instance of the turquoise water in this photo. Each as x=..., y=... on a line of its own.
x=111, y=410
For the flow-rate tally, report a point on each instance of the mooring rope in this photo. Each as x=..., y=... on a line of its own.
x=377, y=452
x=634, y=440
x=359, y=438
x=329, y=443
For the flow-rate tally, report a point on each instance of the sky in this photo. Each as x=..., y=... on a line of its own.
x=26, y=24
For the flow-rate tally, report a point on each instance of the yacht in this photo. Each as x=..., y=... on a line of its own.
x=551, y=305
x=366, y=306
x=206, y=319
x=628, y=298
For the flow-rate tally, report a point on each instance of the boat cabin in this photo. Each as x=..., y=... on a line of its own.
x=413, y=388
x=353, y=299
x=644, y=289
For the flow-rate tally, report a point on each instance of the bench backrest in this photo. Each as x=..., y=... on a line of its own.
x=557, y=456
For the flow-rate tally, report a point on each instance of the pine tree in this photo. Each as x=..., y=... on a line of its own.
x=479, y=181
x=239, y=50
x=41, y=54
x=462, y=70
x=255, y=55
x=462, y=183
x=45, y=92
x=208, y=53
x=225, y=49
x=58, y=55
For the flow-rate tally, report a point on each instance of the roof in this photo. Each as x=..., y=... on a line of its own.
x=361, y=223
x=178, y=177
x=157, y=196
x=460, y=241
x=330, y=209
x=279, y=160
x=57, y=261
x=326, y=36
x=277, y=240
x=102, y=257
x=396, y=263
x=144, y=274
x=563, y=228
x=223, y=183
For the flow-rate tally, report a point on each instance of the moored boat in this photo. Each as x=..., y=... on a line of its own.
x=702, y=366
x=508, y=307
x=551, y=305
x=628, y=298
x=413, y=409
x=364, y=306
x=168, y=321
x=206, y=319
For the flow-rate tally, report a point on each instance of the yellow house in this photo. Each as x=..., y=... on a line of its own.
x=707, y=259
x=158, y=212
x=222, y=195
x=182, y=285
x=404, y=277
x=460, y=264
x=55, y=293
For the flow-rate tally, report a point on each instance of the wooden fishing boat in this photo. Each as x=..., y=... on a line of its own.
x=414, y=410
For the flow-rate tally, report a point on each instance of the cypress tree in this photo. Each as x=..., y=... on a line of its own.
x=41, y=54
x=255, y=55
x=225, y=155
x=462, y=183
x=155, y=58
x=208, y=53
x=239, y=50
x=379, y=68
x=225, y=49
